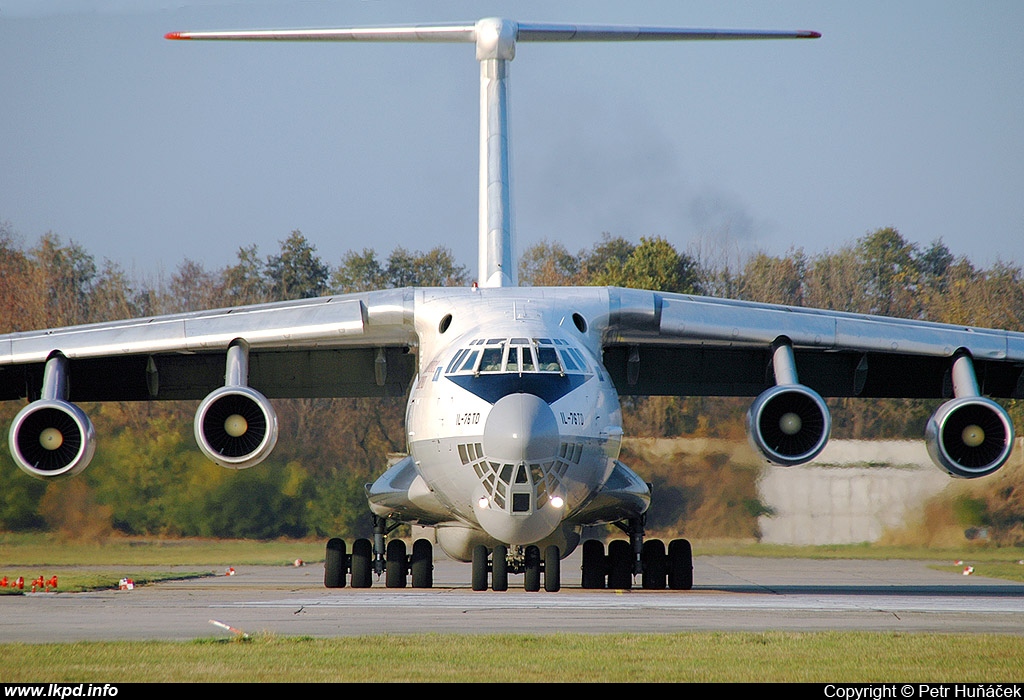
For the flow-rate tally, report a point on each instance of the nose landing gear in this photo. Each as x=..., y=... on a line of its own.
x=502, y=561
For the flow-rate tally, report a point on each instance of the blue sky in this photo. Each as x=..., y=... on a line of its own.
x=149, y=152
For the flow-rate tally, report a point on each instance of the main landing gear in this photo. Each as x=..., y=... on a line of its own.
x=658, y=568
x=366, y=559
x=398, y=566
x=519, y=560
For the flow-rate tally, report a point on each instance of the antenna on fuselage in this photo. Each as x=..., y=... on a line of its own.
x=495, y=41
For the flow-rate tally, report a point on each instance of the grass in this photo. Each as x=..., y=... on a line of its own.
x=789, y=657
x=773, y=657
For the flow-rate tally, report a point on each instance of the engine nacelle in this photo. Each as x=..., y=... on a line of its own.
x=236, y=427
x=789, y=424
x=52, y=438
x=969, y=437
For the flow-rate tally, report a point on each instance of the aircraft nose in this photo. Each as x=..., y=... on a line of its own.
x=521, y=428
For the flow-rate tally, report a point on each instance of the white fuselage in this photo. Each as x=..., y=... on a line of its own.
x=512, y=421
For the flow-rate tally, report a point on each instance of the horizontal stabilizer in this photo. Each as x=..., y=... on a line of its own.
x=522, y=31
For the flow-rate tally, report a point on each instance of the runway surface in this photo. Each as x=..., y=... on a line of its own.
x=730, y=593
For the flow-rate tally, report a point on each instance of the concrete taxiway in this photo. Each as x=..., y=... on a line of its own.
x=730, y=593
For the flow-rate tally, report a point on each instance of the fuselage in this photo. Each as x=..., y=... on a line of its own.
x=512, y=421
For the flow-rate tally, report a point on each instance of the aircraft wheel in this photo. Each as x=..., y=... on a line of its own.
x=499, y=568
x=620, y=565
x=362, y=560
x=655, y=566
x=395, y=564
x=680, y=565
x=334, y=564
x=422, y=564
x=593, y=564
x=552, y=569
x=531, y=574
x=480, y=568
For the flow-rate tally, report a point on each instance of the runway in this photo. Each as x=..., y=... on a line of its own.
x=730, y=593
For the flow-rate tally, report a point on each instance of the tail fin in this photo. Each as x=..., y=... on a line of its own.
x=495, y=41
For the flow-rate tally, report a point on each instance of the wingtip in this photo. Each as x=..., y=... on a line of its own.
x=175, y=36
x=810, y=35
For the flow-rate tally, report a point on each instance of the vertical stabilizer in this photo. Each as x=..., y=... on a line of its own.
x=495, y=41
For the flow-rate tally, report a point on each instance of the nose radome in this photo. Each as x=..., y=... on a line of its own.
x=521, y=427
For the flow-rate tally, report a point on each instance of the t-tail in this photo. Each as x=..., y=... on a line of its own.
x=495, y=41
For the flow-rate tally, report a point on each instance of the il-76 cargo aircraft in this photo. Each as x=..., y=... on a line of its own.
x=513, y=419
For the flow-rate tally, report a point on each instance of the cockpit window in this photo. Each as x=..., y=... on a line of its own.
x=470, y=362
x=490, y=361
x=528, y=364
x=518, y=356
x=547, y=359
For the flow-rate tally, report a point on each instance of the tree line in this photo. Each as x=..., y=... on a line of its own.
x=148, y=478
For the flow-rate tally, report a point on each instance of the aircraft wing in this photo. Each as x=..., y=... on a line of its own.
x=346, y=345
x=687, y=345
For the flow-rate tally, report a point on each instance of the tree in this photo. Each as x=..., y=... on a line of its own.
x=358, y=272
x=244, y=281
x=549, y=265
x=297, y=272
x=605, y=258
x=833, y=282
x=654, y=264
x=889, y=274
x=193, y=288
x=20, y=306
x=65, y=274
x=774, y=280
x=404, y=268
x=112, y=297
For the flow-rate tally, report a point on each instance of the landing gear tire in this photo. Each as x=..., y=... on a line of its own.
x=422, y=564
x=499, y=568
x=594, y=565
x=680, y=565
x=479, y=582
x=395, y=564
x=362, y=563
x=552, y=569
x=531, y=572
x=335, y=564
x=620, y=565
x=655, y=566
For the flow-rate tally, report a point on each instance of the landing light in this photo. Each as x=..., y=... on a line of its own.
x=482, y=503
x=557, y=501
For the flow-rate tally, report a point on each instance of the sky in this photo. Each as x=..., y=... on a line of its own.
x=148, y=152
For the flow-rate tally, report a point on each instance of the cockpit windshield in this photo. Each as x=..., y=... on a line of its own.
x=519, y=356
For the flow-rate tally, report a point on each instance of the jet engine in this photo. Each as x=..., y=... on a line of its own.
x=970, y=436
x=789, y=424
x=236, y=427
x=51, y=438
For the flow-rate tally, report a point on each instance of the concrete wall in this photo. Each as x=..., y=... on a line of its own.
x=852, y=493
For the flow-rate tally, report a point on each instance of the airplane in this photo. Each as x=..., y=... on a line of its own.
x=513, y=417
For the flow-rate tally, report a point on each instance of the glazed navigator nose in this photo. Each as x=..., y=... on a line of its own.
x=520, y=436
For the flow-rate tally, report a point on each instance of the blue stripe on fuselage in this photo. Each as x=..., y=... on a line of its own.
x=491, y=387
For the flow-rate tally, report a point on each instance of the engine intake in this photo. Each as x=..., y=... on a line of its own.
x=52, y=438
x=969, y=437
x=236, y=427
x=789, y=424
